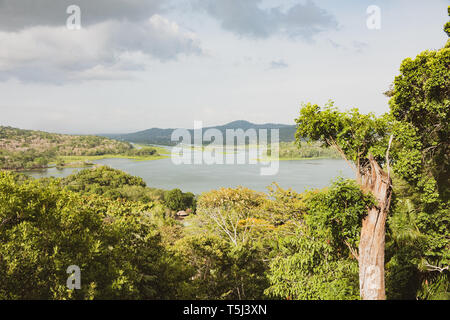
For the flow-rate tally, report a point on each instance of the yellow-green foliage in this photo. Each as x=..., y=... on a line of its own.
x=44, y=229
x=228, y=198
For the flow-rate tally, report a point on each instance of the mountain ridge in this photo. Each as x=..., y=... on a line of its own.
x=162, y=136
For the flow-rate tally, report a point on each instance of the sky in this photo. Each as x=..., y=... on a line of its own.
x=134, y=64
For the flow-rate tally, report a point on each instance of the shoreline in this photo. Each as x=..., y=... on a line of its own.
x=297, y=159
x=83, y=161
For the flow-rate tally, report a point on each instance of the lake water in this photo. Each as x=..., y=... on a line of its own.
x=298, y=175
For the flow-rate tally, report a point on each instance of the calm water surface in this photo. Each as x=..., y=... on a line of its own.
x=298, y=175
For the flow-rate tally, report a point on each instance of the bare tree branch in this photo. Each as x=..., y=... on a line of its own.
x=331, y=142
x=436, y=268
x=353, y=251
x=387, y=157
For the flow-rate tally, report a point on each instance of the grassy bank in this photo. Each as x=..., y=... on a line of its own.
x=72, y=159
x=86, y=161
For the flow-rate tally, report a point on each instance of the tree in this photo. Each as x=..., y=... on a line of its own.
x=222, y=271
x=109, y=183
x=231, y=213
x=320, y=260
x=177, y=200
x=233, y=231
x=413, y=139
x=420, y=100
x=363, y=141
x=420, y=106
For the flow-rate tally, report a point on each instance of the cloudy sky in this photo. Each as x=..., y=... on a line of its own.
x=138, y=64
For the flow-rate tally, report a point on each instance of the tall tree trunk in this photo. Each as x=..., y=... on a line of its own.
x=372, y=242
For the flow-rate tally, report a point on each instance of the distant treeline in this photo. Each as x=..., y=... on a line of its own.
x=304, y=150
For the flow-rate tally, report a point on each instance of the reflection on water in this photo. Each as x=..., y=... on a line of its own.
x=298, y=175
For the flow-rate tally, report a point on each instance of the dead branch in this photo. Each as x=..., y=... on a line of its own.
x=332, y=143
x=353, y=251
x=436, y=268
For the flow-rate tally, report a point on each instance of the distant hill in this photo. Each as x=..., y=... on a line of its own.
x=163, y=136
x=30, y=149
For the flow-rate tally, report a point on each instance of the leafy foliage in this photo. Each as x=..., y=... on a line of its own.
x=317, y=262
x=420, y=98
x=44, y=229
x=307, y=270
x=177, y=200
x=337, y=214
x=419, y=235
x=223, y=271
x=113, y=184
x=354, y=134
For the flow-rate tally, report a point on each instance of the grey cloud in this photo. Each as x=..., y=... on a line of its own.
x=247, y=18
x=278, y=64
x=21, y=14
x=109, y=50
